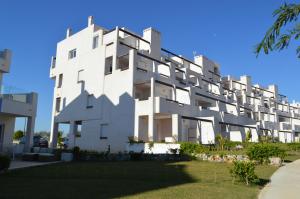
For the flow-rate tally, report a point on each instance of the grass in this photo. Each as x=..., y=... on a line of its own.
x=193, y=179
x=292, y=156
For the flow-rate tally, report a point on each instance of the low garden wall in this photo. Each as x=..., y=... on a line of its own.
x=153, y=148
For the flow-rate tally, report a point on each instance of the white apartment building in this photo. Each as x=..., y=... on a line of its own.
x=111, y=85
x=13, y=105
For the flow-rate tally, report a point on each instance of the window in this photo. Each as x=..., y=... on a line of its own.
x=103, y=131
x=108, y=65
x=60, y=79
x=72, y=53
x=123, y=62
x=89, y=103
x=95, y=41
x=57, y=108
x=80, y=76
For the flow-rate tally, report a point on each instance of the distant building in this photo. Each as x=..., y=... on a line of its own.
x=114, y=85
x=13, y=105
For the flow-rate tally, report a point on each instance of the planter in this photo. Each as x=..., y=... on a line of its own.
x=66, y=156
x=155, y=148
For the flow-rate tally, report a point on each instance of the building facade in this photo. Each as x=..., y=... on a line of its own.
x=13, y=105
x=112, y=86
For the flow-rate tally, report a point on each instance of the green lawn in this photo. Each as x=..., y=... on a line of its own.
x=292, y=156
x=194, y=179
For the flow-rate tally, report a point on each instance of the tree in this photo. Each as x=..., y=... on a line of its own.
x=18, y=135
x=274, y=39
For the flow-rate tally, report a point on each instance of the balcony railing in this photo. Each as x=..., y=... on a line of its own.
x=285, y=126
x=15, y=94
x=24, y=98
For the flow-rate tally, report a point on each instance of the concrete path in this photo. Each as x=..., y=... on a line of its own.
x=285, y=183
x=18, y=164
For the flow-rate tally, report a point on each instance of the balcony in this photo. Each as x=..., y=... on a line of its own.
x=285, y=126
x=297, y=128
x=268, y=125
x=18, y=104
x=22, y=104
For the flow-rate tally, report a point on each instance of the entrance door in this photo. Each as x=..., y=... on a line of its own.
x=1, y=136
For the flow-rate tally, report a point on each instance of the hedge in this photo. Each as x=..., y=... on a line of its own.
x=4, y=162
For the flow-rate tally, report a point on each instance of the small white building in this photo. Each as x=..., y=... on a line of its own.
x=115, y=85
x=13, y=105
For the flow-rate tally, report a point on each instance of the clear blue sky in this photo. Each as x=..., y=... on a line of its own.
x=224, y=31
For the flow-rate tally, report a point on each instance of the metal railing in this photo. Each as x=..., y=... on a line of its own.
x=15, y=94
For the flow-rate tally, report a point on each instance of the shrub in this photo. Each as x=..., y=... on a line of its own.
x=262, y=152
x=293, y=146
x=248, y=136
x=221, y=141
x=76, y=153
x=136, y=156
x=4, y=162
x=188, y=148
x=244, y=171
x=230, y=145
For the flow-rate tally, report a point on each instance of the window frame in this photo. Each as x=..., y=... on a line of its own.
x=72, y=54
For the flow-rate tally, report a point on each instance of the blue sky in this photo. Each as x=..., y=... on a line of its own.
x=225, y=31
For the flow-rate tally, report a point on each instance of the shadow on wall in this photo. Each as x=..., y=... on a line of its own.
x=94, y=180
x=92, y=112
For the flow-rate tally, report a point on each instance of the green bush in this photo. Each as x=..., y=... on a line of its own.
x=188, y=148
x=262, y=152
x=76, y=153
x=231, y=145
x=221, y=141
x=4, y=162
x=244, y=171
x=293, y=146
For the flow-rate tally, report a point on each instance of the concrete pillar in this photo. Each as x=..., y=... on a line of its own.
x=198, y=131
x=69, y=32
x=90, y=20
x=136, y=125
x=53, y=135
x=29, y=133
x=151, y=122
x=115, y=55
x=152, y=129
x=176, y=127
x=71, y=135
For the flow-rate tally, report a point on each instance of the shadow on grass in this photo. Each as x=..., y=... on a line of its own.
x=287, y=161
x=92, y=180
x=262, y=182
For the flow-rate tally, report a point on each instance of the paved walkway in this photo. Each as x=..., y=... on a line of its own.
x=18, y=164
x=285, y=183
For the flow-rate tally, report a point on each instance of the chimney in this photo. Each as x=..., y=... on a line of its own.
x=69, y=32
x=90, y=20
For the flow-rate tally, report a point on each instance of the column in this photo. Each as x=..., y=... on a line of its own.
x=151, y=122
x=53, y=135
x=71, y=135
x=136, y=125
x=176, y=127
x=151, y=128
x=29, y=133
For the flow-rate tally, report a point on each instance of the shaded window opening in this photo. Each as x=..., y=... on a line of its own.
x=72, y=53
x=123, y=62
x=108, y=65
